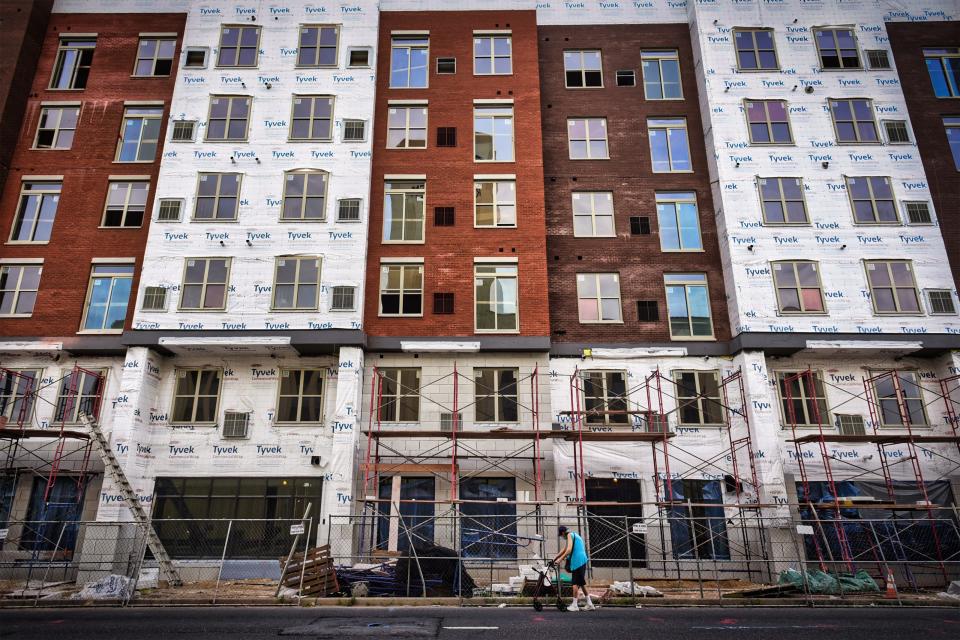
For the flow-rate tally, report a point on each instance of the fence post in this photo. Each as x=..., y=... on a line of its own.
x=43, y=581
x=303, y=565
x=696, y=545
x=223, y=556
x=801, y=561
x=626, y=530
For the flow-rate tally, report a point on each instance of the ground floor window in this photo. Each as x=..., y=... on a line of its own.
x=415, y=521
x=698, y=531
x=7, y=485
x=488, y=528
x=610, y=528
x=192, y=515
x=52, y=514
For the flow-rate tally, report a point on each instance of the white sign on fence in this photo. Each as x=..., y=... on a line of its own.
x=805, y=529
x=297, y=529
x=3, y=533
x=639, y=527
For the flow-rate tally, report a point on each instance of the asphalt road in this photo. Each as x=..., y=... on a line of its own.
x=479, y=623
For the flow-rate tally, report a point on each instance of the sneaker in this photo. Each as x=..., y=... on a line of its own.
x=589, y=606
x=573, y=606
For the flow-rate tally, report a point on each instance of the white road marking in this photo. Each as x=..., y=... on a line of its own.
x=472, y=628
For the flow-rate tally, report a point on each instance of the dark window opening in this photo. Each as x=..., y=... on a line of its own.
x=489, y=527
x=608, y=526
x=443, y=303
x=697, y=532
x=446, y=66
x=647, y=311
x=443, y=216
x=639, y=225
x=446, y=136
x=415, y=521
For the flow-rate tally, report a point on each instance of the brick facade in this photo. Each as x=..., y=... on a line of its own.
x=908, y=40
x=628, y=174
x=449, y=251
x=77, y=237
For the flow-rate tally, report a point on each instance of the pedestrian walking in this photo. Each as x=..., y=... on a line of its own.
x=575, y=554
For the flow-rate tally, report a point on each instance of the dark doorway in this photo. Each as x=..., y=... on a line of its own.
x=611, y=525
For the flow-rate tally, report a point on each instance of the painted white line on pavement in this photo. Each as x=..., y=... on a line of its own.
x=472, y=628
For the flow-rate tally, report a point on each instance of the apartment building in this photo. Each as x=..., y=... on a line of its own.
x=74, y=214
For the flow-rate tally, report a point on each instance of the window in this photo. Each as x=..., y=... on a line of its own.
x=239, y=46
x=446, y=136
x=943, y=65
x=18, y=389
x=72, y=68
x=837, y=48
x=358, y=57
x=648, y=311
x=312, y=118
x=892, y=286
x=489, y=512
x=401, y=289
x=755, y=49
x=36, y=213
x=899, y=399
x=598, y=297
x=140, y=135
x=897, y=132
x=126, y=204
x=57, y=127
x=782, y=201
x=183, y=130
x=918, y=212
x=661, y=75
x=669, y=149
x=639, y=225
x=587, y=138
x=408, y=62
x=443, y=303
x=798, y=287
x=296, y=284
x=196, y=396
x=605, y=397
x=492, y=55
x=304, y=195
x=229, y=117
x=107, y=297
x=495, y=395
x=195, y=58
x=626, y=78
x=218, y=196
x=952, y=127
x=155, y=57
x=806, y=403
x=698, y=398
x=300, y=396
x=679, y=222
x=768, y=123
x=414, y=499
x=318, y=46
x=348, y=210
x=79, y=396
x=940, y=302
x=872, y=200
x=853, y=120
x=343, y=298
x=205, y=284
x=493, y=134
x=495, y=203
x=495, y=291
x=18, y=288
x=446, y=66
x=593, y=214
x=154, y=299
x=403, y=211
x=407, y=127
x=878, y=58
x=443, y=216
x=688, y=305
x=582, y=69
x=399, y=392
x=354, y=130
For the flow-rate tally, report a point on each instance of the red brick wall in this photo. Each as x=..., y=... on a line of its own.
x=76, y=237
x=449, y=251
x=628, y=174
x=926, y=118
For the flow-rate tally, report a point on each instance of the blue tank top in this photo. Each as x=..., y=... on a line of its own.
x=578, y=557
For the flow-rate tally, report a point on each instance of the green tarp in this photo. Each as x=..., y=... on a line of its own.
x=820, y=582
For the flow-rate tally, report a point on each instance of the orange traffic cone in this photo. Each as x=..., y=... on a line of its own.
x=891, y=593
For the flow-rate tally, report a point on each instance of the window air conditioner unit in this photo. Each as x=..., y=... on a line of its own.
x=236, y=424
x=446, y=422
x=851, y=425
x=656, y=422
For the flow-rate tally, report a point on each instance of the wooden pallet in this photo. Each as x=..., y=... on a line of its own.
x=319, y=575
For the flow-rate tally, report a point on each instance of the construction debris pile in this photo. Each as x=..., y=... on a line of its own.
x=430, y=570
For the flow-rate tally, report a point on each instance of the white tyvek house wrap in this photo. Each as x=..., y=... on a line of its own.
x=832, y=238
x=258, y=237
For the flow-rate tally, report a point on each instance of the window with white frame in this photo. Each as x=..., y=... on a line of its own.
x=36, y=212
x=493, y=133
x=196, y=396
x=403, y=210
x=893, y=289
x=354, y=130
x=312, y=118
x=661, y=75
x=318, y=45
x=205, y=284
x=582, y=69
x=943, y=65
x=343, y=298
x=803, y=398
x=593, y=214
x=140, y=135
x=126, y=203
x=296, y=283
x=239, y=46
x=155, y=57
x=496, y=301
x=495, y=394
x=492, y=54
x=401, y=289
x=598, y=297
x=348, y=210
x=495, y=203
x=72, y=67
x=899, y=399
x=669, y=148
x=409, y=62
x=853, y=121
x=605, y=397
x=698, y=398
x=587, y=138
x=798, y=286
x=18, y=394
x=107, y=297
x=782, y=200
x=768, y=122
x=399, y=394
x=57, y=127
x=679, y=221
x=218, y=196
x=756, y=50
x=304, y=195
x=19, y=284
x=229, y=118
x=80, y=393
x=837, y=48
x=407, y=127
x=872, y=200
x=688, y=305
x=300, y=396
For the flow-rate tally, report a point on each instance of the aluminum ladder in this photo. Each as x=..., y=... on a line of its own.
x=115, y=471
